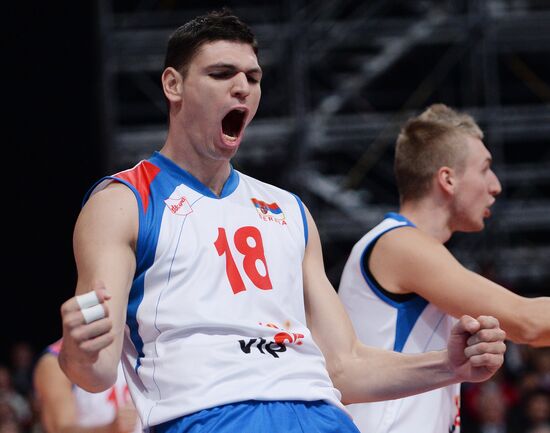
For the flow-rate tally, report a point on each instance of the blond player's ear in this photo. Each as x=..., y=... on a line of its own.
x=445, y=179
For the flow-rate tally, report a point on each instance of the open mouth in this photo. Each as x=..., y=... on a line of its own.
x=232, y=124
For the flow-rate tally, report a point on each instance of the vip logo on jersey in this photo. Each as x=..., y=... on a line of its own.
x=269, y=211
x=269, y=346
x=178, y=204
x=273, y=348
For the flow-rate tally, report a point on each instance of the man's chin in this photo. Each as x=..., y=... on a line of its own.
x=478, y=226
x=472, y=227
x=228, y=153
x=223, y=153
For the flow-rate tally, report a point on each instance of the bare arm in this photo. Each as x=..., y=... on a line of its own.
x=364, y=373
x=58, y=407
x=422, y=265
x=104, y=239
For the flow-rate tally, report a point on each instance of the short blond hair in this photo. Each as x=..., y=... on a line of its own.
x=427, y=142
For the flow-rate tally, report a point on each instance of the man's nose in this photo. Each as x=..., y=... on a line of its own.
x=240, y=86
x=495, y=186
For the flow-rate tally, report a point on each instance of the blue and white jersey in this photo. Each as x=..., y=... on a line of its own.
x=403, y=323
x=216, y=310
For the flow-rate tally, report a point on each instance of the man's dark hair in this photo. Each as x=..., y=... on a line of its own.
x=219, y=25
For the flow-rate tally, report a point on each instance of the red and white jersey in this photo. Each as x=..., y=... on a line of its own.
x=408, y=325
x=216, y=310
x=97, y=409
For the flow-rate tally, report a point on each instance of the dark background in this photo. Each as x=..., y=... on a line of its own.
x=51, y=156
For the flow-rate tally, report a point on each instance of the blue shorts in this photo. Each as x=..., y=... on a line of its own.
x=256, y=416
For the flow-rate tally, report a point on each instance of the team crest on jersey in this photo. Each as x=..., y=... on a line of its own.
x=269, y=211
x=178, y=204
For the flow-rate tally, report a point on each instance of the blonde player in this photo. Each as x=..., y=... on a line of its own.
x=403, y=289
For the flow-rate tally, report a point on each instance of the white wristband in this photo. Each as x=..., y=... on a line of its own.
x=87, y=300
x=93, y=313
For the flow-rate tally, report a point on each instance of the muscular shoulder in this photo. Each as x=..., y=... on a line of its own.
x=112, y=211
x=400, y=255
x=405, y=241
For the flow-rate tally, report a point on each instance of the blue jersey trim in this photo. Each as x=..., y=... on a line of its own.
x=89, y=192
x=145, y=257
x=398, y=217
x=304, y=218
x=191, y=181
x=407, y=315
x=409, y=311
x=103, y=179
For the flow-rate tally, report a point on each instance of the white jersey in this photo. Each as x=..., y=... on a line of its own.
x=99, y=408
x=96, y=409
x=408, y=325
x=216, y=310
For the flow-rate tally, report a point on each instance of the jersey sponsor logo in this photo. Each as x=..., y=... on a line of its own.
x=269, y=211
x=274, y=347
x=270, y=347
x=178, y=205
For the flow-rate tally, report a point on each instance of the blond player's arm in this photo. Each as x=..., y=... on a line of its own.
x=361, y=373
x=104, y=243
x=407, y=260
x=58, y=410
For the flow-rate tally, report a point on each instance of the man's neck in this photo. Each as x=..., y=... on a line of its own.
x=211, y=173
x=430, y=217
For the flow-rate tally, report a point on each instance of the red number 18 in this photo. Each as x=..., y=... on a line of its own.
x=251, y=255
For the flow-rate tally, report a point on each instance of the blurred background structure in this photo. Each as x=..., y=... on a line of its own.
x=83, y=99
x=339, y=79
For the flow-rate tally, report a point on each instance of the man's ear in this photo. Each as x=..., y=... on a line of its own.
x=172, y=84
x=446, y=179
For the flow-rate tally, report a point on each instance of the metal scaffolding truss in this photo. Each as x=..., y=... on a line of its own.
x=340, y=77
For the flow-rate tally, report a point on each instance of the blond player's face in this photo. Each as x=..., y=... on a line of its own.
x=220, y=95
x=476, y=189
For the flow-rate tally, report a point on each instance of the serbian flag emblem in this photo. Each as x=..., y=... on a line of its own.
x=268, y=210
